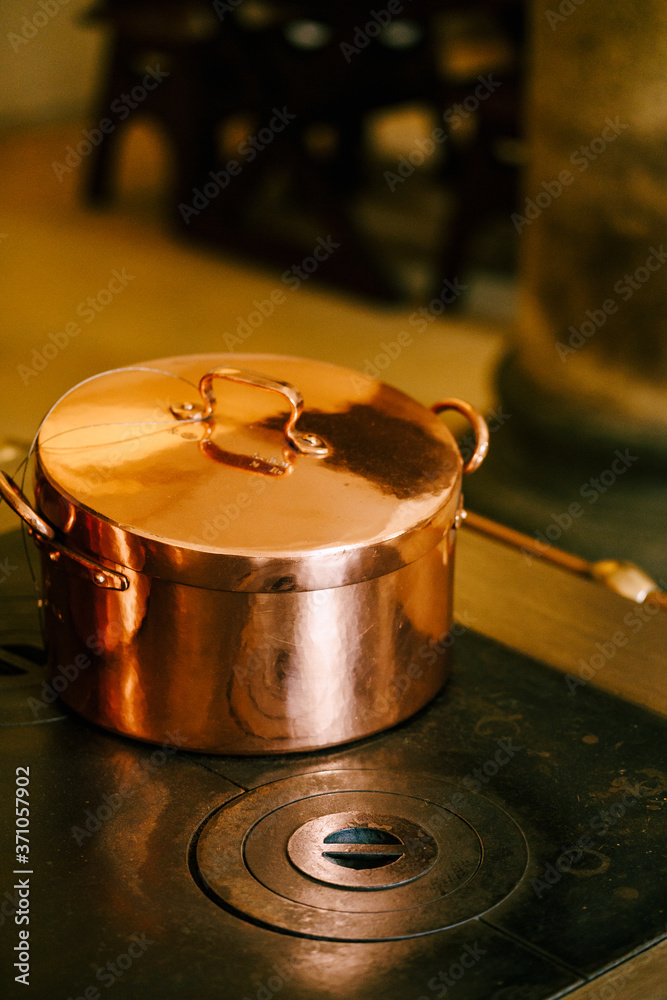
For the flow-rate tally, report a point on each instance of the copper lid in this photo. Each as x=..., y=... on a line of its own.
x=224, y=486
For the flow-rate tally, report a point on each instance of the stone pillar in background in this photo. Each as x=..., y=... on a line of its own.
x=589, y=372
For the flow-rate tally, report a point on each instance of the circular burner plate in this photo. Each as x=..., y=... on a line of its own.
x=263, y=855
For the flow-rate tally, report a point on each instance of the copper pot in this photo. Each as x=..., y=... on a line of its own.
x=267, y=572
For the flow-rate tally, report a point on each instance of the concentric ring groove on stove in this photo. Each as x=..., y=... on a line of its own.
x=222, y=869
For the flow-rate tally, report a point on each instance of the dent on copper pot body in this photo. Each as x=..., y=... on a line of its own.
x=289, y=577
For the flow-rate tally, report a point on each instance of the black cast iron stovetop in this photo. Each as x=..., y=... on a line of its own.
x=527, y=852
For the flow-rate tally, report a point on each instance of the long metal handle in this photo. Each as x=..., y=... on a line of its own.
x=479, y=426
x=307, y=444
x=45, y=535
x=622, y=577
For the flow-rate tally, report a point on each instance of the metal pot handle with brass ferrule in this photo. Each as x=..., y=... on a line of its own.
x=306, y=444
x=619, y=575
x=479, y=426
x=45, y=535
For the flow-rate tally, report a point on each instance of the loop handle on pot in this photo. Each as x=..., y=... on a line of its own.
x=306, y=444
x=19, y=504
x=45, y=535
x=479, y=426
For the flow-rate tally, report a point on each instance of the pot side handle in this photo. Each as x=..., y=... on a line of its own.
x=45, y=535
x=479, y=425
x=19, y=504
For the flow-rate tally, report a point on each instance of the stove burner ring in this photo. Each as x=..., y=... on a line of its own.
x=362, y=850
x=358, y=855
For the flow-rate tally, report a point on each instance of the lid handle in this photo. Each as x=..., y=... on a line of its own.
x=479, y=426
x=307, y=444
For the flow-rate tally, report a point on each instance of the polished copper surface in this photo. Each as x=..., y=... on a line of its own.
x=260, y=572
x=251, y=673
x=133, y=483
x=313, y=612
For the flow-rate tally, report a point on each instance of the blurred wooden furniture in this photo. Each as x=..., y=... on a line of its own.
x=330, y=66
x=180, y=39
